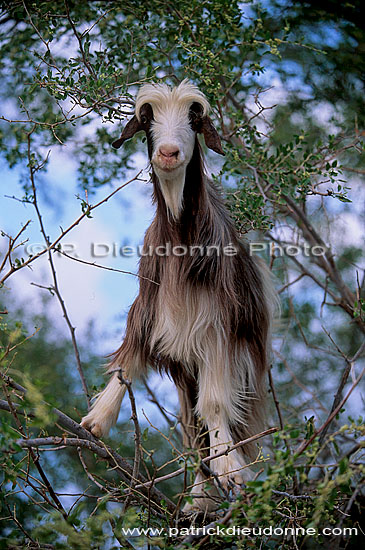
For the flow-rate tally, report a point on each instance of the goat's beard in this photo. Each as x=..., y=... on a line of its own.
x=172, y=188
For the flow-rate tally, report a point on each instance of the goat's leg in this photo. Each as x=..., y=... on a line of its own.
x=104, y=412
x=127, y=362
x=204, y=499
x=232, y=467
x=218, y=406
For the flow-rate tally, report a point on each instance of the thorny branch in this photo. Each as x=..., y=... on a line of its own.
x=332, y=415
x=33, y=455
x=55, y=286
x=86, y=440
x=207, y=459
x=137, y=438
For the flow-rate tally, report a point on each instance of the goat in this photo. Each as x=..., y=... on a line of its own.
x=207, y=321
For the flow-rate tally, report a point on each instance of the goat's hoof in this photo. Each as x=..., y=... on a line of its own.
x=189, y=508
x=92, y=426
x=231, y=482
x=200, y=505
x=231, y=472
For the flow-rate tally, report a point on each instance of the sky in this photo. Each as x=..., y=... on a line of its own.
x=88, y=291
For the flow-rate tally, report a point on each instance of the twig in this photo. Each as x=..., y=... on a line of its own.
x=74, y=30
x=4, y=406
x=326, y=262
x=123, y=541
x=55, y=286
x=199, y=535
x=211, y=457
x=345, y=375
x=17, y=522
x=94, y=264
x=277, y=404
x=11, y=247
x=291, y=283
x=153, y=399
x=137, y=438
x=297, y=381
x=305, y=444
x=34, y=457
x=117, y=462
x=53, y=245
x=103, y=452
x=89, y=475
x=292, y=497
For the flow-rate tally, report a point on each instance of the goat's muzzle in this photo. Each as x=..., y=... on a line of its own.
x=168, y=158
x=169, y=151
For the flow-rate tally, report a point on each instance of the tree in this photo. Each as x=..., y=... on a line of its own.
x=68, y=66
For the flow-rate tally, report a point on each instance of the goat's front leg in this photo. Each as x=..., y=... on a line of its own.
x=127, y=364
x=104, y=412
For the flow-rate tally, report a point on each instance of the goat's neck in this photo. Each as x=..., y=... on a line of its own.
x=186, y=226
x=203, y=218
x=172, y=189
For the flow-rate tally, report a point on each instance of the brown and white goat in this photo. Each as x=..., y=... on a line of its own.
x=207, y=321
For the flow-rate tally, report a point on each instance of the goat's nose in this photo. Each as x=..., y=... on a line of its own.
x=169, y=151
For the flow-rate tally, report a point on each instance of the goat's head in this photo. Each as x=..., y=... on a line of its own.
x=171, y=119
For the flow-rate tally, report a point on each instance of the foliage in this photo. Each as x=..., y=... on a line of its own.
x=291, y=174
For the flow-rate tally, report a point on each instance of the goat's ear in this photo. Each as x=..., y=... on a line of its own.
x=211, y=137
x=131, y=128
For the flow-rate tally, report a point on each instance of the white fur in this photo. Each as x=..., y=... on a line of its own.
x=172, y=187
x=105, y=410
x=204, y=499
x=163, y=98
x=189, y=328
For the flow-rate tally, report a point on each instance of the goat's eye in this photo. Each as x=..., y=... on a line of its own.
x=144, y=119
